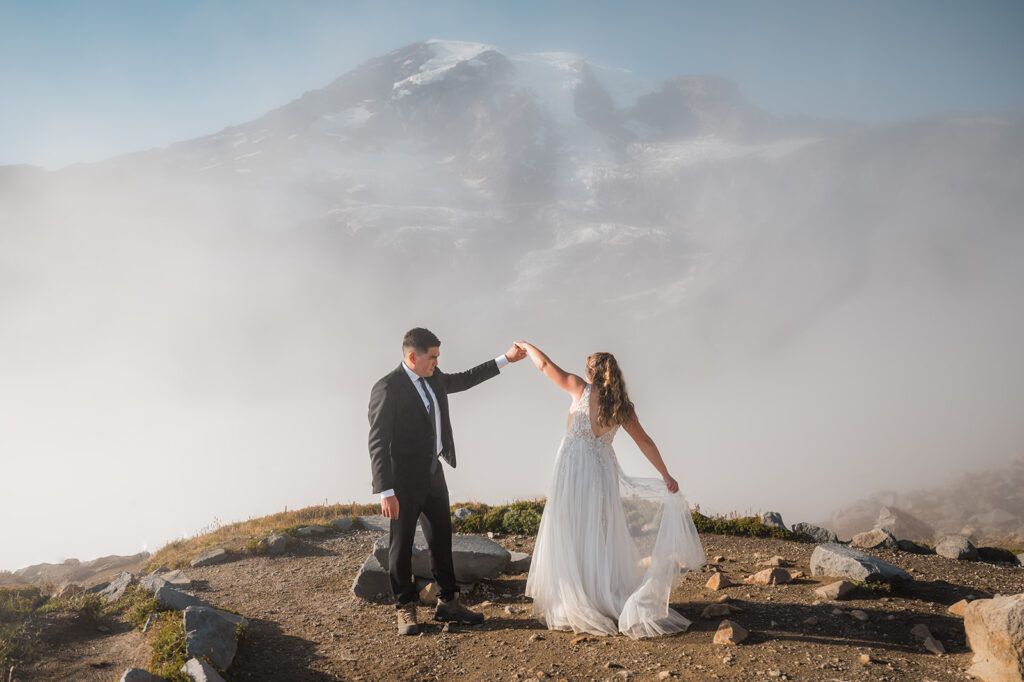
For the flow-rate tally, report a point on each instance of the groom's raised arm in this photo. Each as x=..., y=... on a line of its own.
x=382, y=425
x=461, y=381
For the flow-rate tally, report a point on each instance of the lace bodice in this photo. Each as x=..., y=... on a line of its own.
x=579, y=421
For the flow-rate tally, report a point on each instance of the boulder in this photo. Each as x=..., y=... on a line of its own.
x=97, y=588
x=342, y=523
x=463, y=513
x=903, y=525
x=139, y=675
x=209, y=633
x=997, y=555
x=844, y=562
x=956, y=547
x=211, y=557
x=117, y=586
x=306, y=531
x=770, y=576
x=176, y=599
x=519, y=562
x=152, y=583
x=375, y=522
x=995, y=633
x=475, y=557
x=730, y=633
x=773, y=520
x=276, y=543
x=816, y=533
x=199, y=670
x=876, y=538
x=372, y=582
x=838, y=590
x=177, y=579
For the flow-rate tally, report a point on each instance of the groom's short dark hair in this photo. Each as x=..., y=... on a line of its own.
x=420, y=340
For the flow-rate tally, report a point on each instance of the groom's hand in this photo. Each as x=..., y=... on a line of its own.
x=389, y=507
x=515, y=353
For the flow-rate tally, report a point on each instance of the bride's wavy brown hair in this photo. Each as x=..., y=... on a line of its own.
x=614, y=405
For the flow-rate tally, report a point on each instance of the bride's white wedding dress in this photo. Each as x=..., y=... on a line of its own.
x=609, y=545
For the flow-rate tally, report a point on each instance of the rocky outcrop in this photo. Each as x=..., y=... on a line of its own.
x=475, y=557
x=995, y=633
x=213, y=556
x=199, y=670
x=372, y=583
x=210, y=632
x=845, y=562
x=773, y=520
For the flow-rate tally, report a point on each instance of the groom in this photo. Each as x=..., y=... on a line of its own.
x=409, y=431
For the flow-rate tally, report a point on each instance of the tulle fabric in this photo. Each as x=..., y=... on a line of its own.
x=610, y=546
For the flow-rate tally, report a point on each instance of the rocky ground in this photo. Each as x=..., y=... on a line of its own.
x=306, y=625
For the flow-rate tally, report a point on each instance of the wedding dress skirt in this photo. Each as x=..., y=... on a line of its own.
x=609, y=545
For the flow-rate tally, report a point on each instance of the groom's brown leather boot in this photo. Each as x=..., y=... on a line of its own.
x=407, y=624
x=453, y=611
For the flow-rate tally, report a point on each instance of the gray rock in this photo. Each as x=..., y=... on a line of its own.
x=176, y=599
x=214, y=556
x=276, y=543
x=956, y=547
x=913, y=547
x=342, y=523
x=816, y=533
x=773, y=520
x=997, y=555
x=200, y=671
x=375, y=522
x=519, y=563
x=842, y=561
x=116, y=588
x=209, y=633
x=152, y=583
x=475, y=557
x=876, y=538
x=1020, y=559
x=177, y=579
x=97, y=588
x=372, y=582
x=903, y=525
x=838, y=590
x=463, y=513
x=139, y=675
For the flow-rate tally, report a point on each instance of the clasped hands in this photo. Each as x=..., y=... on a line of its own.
x=516, y=353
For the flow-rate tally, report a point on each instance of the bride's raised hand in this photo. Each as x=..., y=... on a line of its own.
x=670, y=483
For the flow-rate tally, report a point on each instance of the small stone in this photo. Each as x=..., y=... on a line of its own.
x=813, y=620
x=579, y=640
x=866, y=658
x=770, y=576
x=730, y=632
x=935, y=646
x=428, y=595
x=611, y=665
x=716, y=611
x=536, y=637
x=721, y=599
x=103, y=628
x=838, y=590
x=511, y=610
x=959, y=608
x=717, y=582
x=718, y=559
x=774, y=673
x=775, y=561
x=666, y=674
x=447, y=627
x=859, y=615
x=837, y=612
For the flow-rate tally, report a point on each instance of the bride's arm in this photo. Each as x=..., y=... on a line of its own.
x=650, y=450
x=569, y=383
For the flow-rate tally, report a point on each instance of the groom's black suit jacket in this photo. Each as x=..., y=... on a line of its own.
x=402, y=440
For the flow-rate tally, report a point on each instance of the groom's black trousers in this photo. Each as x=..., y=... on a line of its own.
x=432, y=502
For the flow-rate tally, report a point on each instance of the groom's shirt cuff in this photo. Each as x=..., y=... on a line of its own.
x=501, y=360
x=390, y=492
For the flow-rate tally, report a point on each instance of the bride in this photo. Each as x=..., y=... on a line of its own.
x=609, y=545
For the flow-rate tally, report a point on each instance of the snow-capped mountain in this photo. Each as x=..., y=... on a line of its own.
x=807, y=288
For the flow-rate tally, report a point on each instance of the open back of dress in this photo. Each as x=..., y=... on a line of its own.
x=609, y=545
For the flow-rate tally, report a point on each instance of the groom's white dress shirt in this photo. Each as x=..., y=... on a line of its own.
x=501, y=361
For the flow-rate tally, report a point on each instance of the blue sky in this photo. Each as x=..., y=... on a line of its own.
x=88, y=79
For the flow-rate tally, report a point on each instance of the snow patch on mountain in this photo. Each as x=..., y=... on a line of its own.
x=447, y=55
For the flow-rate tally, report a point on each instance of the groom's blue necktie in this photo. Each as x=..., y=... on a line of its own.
x=433, y=426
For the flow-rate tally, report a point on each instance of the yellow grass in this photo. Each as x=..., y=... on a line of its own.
x=235, y=536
